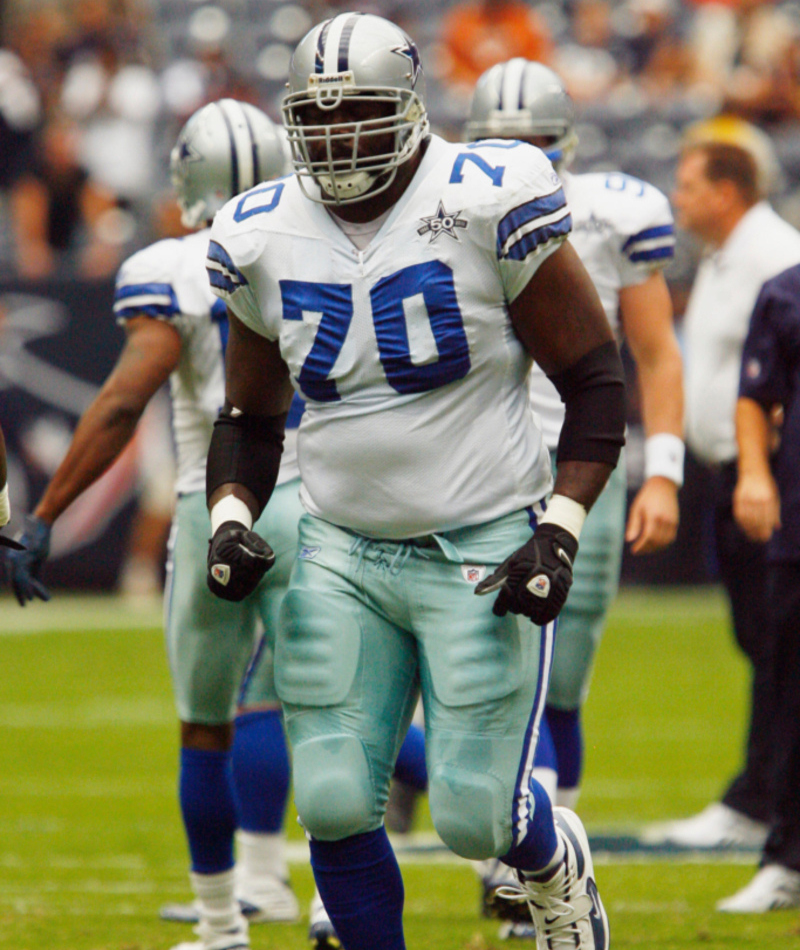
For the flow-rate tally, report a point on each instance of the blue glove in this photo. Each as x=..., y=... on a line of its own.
x=24, y=567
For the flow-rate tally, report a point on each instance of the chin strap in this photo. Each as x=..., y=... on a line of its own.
x=347, y=186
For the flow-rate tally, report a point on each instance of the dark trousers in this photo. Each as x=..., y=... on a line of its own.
x=743, y=571
x=783, y=844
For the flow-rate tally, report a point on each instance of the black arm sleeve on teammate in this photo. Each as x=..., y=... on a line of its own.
x=593, y=391
x=245, y=449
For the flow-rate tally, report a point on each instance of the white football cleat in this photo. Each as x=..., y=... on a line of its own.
x=716, y=826
x=566, y=908
x=273, y=901
x=211, y=939
x=773, y=888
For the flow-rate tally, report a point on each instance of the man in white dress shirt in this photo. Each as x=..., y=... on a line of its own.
x=746, y=243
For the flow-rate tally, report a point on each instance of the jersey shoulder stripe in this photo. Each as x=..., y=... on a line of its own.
x=224, y=275
x=652, y=244
x=153, y=299
x=533, y=224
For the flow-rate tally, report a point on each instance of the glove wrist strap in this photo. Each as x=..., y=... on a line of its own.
x=565, y=513
x=230, y=508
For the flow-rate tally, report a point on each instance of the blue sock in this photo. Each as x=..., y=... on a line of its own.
x=362, y=890
x=206, y=799
x=565, y=728
x=537, y=848
x=410, y=765
x=260, y=763
x=545, y=755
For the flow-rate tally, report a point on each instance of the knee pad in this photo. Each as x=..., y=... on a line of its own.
x=471, y=811
x=333, y=788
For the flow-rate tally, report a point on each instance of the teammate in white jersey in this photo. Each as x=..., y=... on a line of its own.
x=401, y=284
x=622, y=229
x=176, y=329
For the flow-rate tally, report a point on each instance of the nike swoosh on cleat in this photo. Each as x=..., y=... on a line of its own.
x=562, y=824
x=595, y=916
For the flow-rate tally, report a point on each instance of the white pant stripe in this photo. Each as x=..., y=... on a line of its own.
x=522, y=798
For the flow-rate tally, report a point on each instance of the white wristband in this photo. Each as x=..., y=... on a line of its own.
x=5, y=506
x=566, y=513
x=663, y=455
x=230, y=508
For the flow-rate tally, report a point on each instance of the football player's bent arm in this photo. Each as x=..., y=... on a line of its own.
x=560, y=320
x=246, y=446
x=151, y=352
x=646, y=312
x=756, y=502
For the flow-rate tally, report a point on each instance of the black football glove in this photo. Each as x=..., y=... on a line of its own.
x=537, y=577
x=237, y=560
x=23, y=565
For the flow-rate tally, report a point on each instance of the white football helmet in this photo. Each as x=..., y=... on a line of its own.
x=354, y=57
x=521, y=99
x=225, y=148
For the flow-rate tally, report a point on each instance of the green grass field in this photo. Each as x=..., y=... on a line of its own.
x=90, y=838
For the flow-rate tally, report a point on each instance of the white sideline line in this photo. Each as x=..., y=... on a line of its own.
x=426, y=848
x=418, y=849
x=78, y=613
x=92, y=612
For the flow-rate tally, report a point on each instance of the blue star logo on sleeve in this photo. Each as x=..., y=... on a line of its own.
x=411, y=52
x=443, y=222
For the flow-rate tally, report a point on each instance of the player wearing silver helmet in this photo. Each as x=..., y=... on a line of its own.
x=401, y=284
x=176, y=330
x=623, y=232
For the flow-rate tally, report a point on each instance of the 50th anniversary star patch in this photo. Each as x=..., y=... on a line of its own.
x=443, y=222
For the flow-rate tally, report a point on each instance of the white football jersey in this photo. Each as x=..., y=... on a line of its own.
x=622, y=229
x=416, y=323
x=168, y=281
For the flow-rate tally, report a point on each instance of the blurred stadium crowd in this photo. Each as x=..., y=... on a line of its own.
x=93, y=92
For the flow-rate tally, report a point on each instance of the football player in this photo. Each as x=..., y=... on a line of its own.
x=402, y=285
x=622, y=229
x=177, y=330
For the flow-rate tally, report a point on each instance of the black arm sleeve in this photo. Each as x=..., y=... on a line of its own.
x=245, y=449
x=593, y=391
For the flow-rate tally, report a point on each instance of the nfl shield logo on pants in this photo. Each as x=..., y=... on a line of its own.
x=473, y=574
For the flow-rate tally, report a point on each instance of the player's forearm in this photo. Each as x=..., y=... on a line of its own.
x=5, y=505
x=581, y=481
x=105, y=429
x=661, y=390
x=593, y=432
x=753, y=437
x=3, y=468
x=243, y=464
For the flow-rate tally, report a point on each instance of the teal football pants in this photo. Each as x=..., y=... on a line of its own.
x=210, y=642
x=368, y=625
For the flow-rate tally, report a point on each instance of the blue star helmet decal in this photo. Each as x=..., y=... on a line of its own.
x=410, y=51
x=187, y=153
